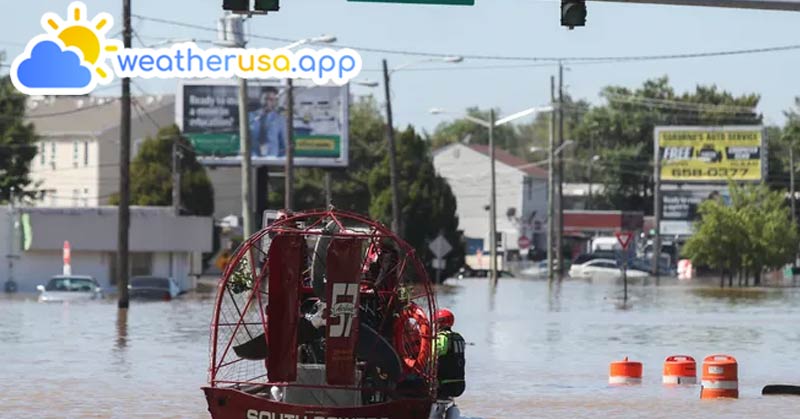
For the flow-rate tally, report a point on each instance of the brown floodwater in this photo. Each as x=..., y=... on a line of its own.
x=536, y=351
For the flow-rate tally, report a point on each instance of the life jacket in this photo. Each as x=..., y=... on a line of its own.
x=450, y=350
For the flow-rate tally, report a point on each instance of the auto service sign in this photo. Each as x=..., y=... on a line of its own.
x=710, y=154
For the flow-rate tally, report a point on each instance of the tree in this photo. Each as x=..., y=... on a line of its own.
x=151, y=175
x=624, y=127
x=752, y=233
x=428, y=204
x=17, y=142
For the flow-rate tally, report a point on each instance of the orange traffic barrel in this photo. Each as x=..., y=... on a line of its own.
x=720, y=377
x=625, y=372
x=680, y=369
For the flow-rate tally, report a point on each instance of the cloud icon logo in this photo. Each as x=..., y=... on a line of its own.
x=50, y=67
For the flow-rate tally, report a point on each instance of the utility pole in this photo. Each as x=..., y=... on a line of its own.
x=393, y=153
x=560, y=236
x=791, y=180
x=657, y=209
x=10, y=285
x=247, y=164
x=288, y=198
x=328, y=192
x=492, y=205
x=176, y=177
x=551, y=213
x=124, y=170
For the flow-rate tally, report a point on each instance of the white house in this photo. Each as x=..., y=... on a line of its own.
x=161, y=244
x=521, y=194
x=77, y=163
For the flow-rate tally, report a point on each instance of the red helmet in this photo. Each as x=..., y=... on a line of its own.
x=445, y=318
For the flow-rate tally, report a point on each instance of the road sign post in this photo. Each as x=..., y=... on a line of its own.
x=624, y=239
x=440, y=247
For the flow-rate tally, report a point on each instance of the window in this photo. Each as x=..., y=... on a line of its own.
x=141, y=264
x=85, y=197
x=42, y=154
x=74, y=154
x=85, y=154
x=75, y=196
x=53, y=155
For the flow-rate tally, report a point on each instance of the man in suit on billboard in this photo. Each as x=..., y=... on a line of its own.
x=268, y=126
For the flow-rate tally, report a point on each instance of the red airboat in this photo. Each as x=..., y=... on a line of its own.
x=323, y=314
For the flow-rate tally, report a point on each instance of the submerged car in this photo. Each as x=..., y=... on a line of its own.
x=70, y=288
x=603, y=268
x=153, y=288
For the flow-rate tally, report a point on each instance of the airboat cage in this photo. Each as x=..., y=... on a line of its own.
x=323, y=312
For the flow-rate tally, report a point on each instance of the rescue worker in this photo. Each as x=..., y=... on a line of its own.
x=450, y=354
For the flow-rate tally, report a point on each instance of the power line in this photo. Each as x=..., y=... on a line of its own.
x=564, y=59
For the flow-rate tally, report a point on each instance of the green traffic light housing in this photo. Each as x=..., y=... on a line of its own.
x=236, y=5
x=268, y=5
x=573, y=13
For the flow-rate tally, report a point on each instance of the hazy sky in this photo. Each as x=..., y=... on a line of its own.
x=527, y=28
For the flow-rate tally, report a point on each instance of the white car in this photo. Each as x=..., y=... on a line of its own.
x=70, y=288
x=603, y=269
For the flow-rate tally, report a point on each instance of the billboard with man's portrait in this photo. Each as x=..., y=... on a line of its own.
x=208, y=114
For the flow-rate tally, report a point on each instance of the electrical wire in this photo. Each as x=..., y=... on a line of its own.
x=561, y=59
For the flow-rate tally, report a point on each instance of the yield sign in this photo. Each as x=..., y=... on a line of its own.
x=440, y=247
x=624, y=239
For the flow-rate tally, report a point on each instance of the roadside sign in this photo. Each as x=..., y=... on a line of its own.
x=624, y=239
x=440, y=246
x=67, y=253
x=439, y=2
x=523, y=242
x=438, y=263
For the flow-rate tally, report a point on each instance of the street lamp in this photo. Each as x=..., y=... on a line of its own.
x=490, y=125
x=390, y=132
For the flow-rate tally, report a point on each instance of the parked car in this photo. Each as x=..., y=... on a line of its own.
x=602, y=269
x=153, y=288
x=70, y=288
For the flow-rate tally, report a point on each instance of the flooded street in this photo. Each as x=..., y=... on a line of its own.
x=535, y=351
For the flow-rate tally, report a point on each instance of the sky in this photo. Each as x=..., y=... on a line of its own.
x=527, y=28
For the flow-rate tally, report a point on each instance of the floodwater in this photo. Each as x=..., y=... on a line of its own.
x=536, y=351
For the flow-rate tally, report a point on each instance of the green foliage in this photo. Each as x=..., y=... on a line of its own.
x=151, y=175
x=751, y=234
x=17, y=142
x=428, y=206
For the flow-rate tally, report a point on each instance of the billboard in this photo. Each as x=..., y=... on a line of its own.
x=208, y=114
x=679, y=207
x=710, y=154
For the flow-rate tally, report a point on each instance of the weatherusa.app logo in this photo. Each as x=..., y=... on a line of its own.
x=70, y=58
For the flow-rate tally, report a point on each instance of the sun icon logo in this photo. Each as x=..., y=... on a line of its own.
x=70, y=58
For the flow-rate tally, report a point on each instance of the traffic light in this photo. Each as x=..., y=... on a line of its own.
x=268, y=5
x=573, y=13
x=236, y=5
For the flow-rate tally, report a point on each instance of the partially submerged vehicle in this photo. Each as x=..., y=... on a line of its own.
x=61, y=288
x=323, y=314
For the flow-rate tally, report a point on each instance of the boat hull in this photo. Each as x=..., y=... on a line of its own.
x=225, y=403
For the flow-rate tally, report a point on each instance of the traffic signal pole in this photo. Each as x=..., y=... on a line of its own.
x=785, y=5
